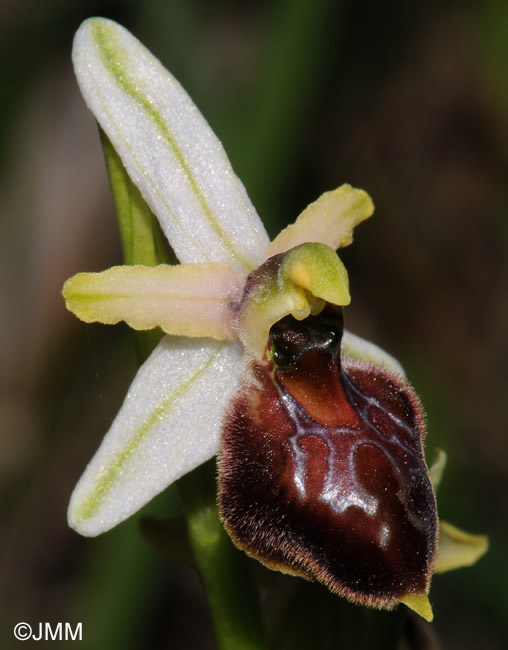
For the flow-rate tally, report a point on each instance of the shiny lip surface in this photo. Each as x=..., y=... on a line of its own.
x=322, y=471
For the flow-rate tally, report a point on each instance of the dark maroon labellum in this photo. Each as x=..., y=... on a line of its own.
x=322, y=472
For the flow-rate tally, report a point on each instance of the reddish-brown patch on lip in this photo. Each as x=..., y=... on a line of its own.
x=321, y=472
x=313, y=387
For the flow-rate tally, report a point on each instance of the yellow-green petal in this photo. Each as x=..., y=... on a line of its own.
x=330, y=220
x=188, y=299
x=457, y=549
x=297, y=282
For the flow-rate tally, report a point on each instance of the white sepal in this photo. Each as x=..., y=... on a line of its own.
x=358, y=349
x=168, y=149
x=169, y=424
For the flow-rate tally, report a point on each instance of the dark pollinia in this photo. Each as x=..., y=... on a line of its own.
x=321, y=472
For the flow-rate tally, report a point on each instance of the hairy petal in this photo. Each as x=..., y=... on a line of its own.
x=330, y=220
x=168, y=149
x=159, y=434
x=457, y=549
x=188, y=300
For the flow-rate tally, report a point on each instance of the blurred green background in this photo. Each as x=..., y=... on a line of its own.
x=408, y=100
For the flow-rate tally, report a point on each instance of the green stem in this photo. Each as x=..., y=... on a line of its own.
x=142, y=241
x=225, y=571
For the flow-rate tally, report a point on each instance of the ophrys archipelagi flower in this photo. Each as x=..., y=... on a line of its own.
x=321, y=466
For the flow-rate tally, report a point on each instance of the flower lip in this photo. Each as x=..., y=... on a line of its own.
x=331, y=453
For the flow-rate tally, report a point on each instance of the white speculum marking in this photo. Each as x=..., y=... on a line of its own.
x=384, y=536
x=341, y=489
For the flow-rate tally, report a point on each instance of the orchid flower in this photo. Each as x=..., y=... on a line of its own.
x=319, y=434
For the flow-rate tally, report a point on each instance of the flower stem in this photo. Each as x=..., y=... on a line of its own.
x=225, y=571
